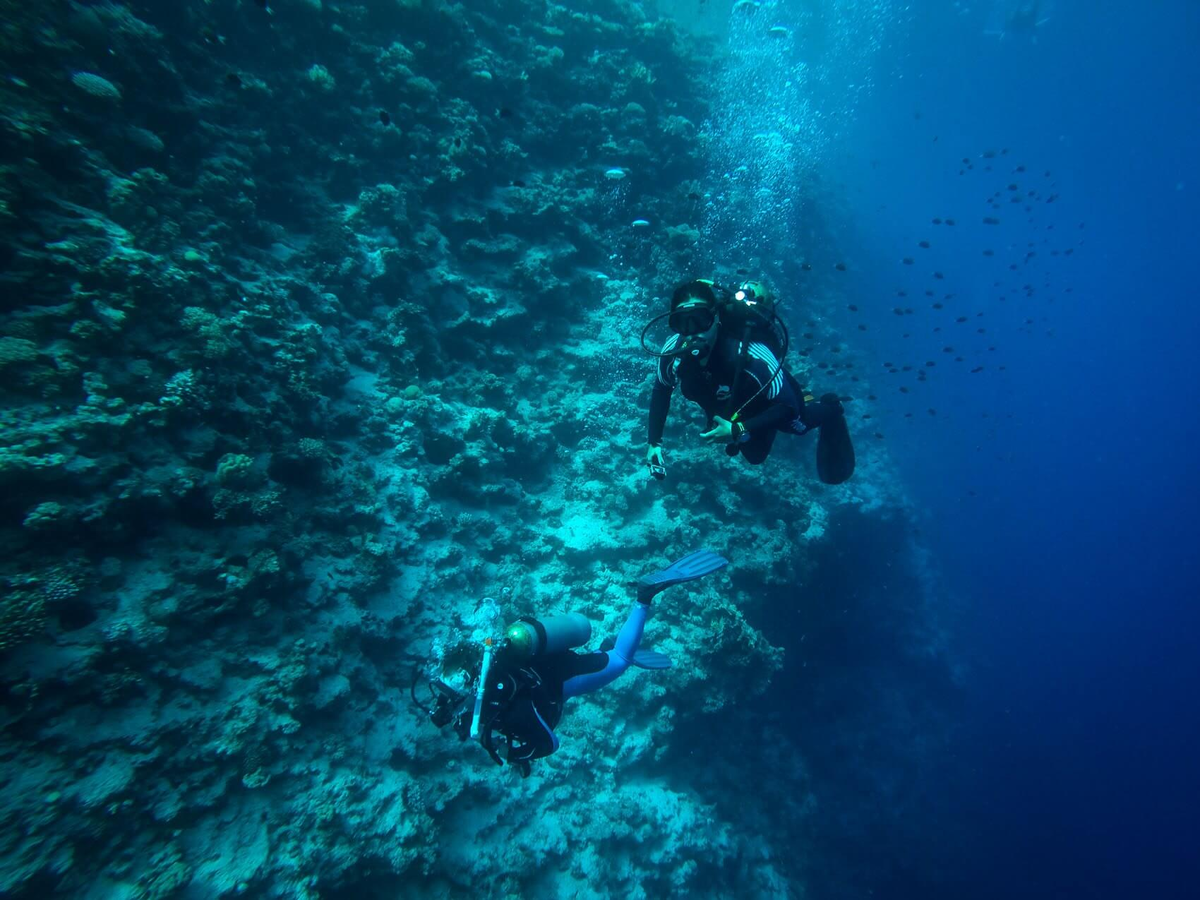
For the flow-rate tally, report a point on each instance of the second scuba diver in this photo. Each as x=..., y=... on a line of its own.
x=726, y=355
x=527, y=676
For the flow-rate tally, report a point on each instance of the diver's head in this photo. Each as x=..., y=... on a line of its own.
x=694, y=318
x=753, y=293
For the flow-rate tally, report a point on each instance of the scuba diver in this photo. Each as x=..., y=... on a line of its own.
x=525, y=678
x=1023, y=20
x=727, y=356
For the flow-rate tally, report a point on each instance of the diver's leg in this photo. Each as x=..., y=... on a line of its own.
x=755, y=450
x=619, y=657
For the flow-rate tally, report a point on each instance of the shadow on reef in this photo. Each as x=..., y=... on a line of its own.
x=851, y=739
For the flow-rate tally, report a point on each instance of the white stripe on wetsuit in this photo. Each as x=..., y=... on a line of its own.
x=666, y=364
x=763, y=354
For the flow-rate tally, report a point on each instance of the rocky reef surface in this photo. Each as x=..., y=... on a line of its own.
x=318, y=327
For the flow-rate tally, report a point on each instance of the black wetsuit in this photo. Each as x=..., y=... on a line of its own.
x=525, y=702
x=778, y=407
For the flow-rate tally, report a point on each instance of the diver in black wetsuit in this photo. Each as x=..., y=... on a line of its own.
x=726, y=356
x=526, y=677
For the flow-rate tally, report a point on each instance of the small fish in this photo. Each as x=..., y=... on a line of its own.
x=504, y=112
x=949, y=221
x=924, y=245
x=1012, y=187
x=947, y=349
x=384, y=119
x=939, y=306
x=961, y=319
x=988, y=253
x=866, y=416
x=929, y=364
x=862, y=327
x=841, y=267
x=878, y=436
x=908, y=415
x=908, y=261
x=929, y=293
x=806, y=267
x=977, y=370
x=852, y=308
x=614, y=174
x=903, y=389
x=898, y=311
x=743, y=271
x=938, y=275
x=641, y=223
x=989, y=154
x=233, y=80
x=692, y=195
x=872, y=397
x=990, y=220
x=518, y=183
x=1019, y=169
x=901, y=293
x=932, y=411
x=937, y=221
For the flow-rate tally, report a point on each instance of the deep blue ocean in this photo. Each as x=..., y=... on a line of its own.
x=1065, y=521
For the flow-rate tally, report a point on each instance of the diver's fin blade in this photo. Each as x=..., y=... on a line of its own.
x=607, y=644
x=650, y=659
x=689, y=568
x=835, y=451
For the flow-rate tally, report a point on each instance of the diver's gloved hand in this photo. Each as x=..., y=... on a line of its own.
x=721, y=433
x=654, y=459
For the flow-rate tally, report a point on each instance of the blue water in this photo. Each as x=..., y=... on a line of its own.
x=1076, y=555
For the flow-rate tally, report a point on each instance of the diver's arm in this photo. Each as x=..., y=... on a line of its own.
x=660, y=402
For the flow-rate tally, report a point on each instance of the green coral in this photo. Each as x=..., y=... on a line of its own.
x=16, y=350
x=22, y=616
x=235, y=469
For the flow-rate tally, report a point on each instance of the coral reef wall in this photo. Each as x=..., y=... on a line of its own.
x=318, y=326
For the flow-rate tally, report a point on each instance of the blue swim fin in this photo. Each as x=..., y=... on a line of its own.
x=649, y=659
x=643, y=659
x=691, y=567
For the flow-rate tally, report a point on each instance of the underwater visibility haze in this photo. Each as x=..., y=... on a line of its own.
x=598, y=449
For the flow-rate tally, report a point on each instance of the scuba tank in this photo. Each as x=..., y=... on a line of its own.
x=529, y=637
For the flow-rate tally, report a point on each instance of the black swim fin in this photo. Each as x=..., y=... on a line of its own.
x=835, y=451
x=694, y=565
x=643, y=659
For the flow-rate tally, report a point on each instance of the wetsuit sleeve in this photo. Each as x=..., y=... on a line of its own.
x=660, y=398
x=660, y=402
